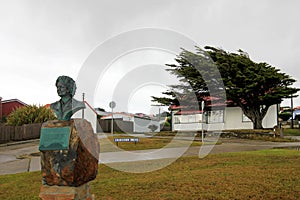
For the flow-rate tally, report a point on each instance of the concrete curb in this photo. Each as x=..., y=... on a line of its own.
x=19, y=142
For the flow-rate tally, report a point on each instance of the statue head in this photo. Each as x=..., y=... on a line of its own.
x=65, y=86
x=67, y=105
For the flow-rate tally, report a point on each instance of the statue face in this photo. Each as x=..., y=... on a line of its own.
x=62, y=90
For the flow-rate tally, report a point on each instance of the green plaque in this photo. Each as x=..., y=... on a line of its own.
x=55, y=138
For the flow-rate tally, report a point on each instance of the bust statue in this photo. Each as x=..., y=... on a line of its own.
x=67, y=105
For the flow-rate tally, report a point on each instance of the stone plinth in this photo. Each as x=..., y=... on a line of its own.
x=66, y=192
x=79, y=163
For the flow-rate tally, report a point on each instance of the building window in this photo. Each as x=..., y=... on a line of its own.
x=215, y=116
x=188, y=119
x=177, y=120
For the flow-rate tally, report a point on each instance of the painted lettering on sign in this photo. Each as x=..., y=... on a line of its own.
x=117, y=140
x=126, y=139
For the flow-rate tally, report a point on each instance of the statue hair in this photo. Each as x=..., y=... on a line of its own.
x=68, y=82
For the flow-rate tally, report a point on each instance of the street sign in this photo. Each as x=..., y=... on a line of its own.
x=112, y=104
x=126, y=139
x=117, y=140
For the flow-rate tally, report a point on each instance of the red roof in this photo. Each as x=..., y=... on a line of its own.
x=14, y=100
x=189, y=112
x=10, y=105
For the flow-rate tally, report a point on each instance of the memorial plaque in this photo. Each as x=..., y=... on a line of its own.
x=55, y=138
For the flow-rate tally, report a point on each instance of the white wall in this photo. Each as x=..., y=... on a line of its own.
x=187, y=127
x=271, y=117
x=122, y=116
x=141, y=125
x=233, y=119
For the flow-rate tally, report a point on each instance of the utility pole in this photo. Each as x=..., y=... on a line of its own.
x=159, y=105
x=202, y=120
x=292, y=108
x=83, y=102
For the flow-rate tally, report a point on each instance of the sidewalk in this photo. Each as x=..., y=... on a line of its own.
x=23, y=157
x=15, y=157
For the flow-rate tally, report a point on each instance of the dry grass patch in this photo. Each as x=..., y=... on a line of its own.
x=267, y=174
x=272, y=174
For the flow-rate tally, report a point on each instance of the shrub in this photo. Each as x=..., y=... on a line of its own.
x=29, y=114
x=152, y=127
x=285, y=115
x=167, y=124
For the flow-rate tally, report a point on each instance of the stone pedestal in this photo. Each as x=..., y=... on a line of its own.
x=66, y=173
x=66, y=192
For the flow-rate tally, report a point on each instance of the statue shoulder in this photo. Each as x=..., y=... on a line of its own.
x=55, y=105
x=77, y=104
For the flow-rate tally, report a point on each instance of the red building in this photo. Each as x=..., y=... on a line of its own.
x=0, y=109
x=7, y=106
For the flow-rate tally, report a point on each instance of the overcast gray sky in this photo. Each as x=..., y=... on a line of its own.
x=42, y=39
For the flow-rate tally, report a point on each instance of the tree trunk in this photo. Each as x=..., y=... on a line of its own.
x=257, y=124
x=256, y=115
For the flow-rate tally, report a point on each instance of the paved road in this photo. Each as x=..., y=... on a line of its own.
x=16, y=158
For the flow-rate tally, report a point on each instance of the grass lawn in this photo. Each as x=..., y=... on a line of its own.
x=291, y=132
x=252, y=134
x=267, y=174
x=108, y=145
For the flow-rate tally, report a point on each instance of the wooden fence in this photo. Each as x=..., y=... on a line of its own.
x=17, y=133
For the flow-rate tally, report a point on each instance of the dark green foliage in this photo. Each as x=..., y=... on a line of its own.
x=29, y=114
x=199, y=77
x=167, y=124
x=152, y=127
x=252, y=86
x=285, y=115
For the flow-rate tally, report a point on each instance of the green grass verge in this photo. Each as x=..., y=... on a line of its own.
x=270, y=138
x=267, y=174
x=108, y=145
x=291, y=132
x=251, y=134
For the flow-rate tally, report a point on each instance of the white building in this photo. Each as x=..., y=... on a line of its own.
x=140, y=124
x=229, y=118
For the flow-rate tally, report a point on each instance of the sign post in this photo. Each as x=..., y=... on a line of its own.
x=83, y=102
x=202, y=131
x=112, y=105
